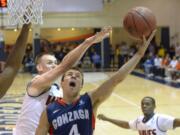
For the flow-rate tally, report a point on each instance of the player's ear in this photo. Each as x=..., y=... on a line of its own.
x=39, y=67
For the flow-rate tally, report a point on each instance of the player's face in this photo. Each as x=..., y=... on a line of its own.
x=47, y=62
x=72, y=83
x=147, y=106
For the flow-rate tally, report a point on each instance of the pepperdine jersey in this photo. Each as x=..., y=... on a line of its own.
x=157, y=125
x=71, y=119
x=32, y=109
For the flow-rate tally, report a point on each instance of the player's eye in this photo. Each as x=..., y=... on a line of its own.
x=78, y=76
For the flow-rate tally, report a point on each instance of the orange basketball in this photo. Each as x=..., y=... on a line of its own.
x=139, y=21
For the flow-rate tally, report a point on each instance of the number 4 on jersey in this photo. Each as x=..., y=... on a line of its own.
x=74, y=130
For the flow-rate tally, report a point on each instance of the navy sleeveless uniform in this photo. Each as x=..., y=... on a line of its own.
x=71, y=119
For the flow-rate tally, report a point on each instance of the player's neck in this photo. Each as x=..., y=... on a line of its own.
x=147, y=117
x=70, y=100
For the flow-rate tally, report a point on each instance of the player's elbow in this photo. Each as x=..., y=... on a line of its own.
x=125, y=125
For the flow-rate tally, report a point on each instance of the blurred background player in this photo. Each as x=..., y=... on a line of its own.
x=149, y=124
x=75, y=114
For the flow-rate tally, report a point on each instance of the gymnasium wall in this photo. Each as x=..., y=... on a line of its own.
x=65, y=34
x=50, y=34
x=119, y=35
x=10, y=36
x=166, y=12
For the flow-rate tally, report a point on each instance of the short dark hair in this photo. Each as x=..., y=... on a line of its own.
x=39, y=56
x=77, y=69
x=151, y=98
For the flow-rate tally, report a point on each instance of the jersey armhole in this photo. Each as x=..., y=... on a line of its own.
x=136, y=123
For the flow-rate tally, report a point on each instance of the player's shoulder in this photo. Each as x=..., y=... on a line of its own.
x=140, y=117
x=85, y=96
x=161, y=115
x=53, y=104
x=164, y=116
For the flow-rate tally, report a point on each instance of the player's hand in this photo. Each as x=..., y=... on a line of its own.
x=99, y=36
x=142, y=48
x=101, y=117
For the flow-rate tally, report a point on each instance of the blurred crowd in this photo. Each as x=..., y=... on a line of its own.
x=158, y=61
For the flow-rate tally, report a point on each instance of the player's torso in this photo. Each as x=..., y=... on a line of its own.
x=31, y=111
x=73, y=119
x=150, y=127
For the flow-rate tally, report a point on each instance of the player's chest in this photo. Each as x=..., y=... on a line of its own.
x=148, y=125
x=148, y=128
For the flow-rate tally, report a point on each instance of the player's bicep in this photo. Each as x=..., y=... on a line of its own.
x=43, y=126
x=102, y=92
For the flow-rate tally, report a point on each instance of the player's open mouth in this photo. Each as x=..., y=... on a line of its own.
x=72, y=84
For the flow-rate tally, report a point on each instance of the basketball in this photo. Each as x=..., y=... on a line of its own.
x=139, y=21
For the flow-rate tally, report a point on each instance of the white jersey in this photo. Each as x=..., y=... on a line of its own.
x=157, y=125
x=32, y=109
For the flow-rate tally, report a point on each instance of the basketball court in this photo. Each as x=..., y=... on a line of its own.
x=123, y=104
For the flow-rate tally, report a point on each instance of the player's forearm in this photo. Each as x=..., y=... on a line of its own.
x=14, y=61
x=108, y=86
x=69, y=60
x=6, y=79
x=15, y=58
x=120, y=123
x=75, y=55
x=126, y=69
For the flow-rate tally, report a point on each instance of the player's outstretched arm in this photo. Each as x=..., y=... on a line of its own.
x=176, y=123
x=43, y=126
x=105, y=89
x=14, y=60
x=120, y=123
x=45, y=80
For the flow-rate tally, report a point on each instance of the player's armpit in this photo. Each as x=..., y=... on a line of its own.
x=176, y=123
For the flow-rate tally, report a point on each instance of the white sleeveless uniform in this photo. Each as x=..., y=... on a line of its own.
x=31, y=111
x=157, y=125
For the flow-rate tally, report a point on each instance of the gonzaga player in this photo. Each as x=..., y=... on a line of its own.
x=74, y=113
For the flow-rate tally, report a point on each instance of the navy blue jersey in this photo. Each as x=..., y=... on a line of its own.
x=71, y=119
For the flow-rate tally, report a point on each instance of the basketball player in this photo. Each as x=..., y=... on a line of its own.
x=149, y=124
x=41, y=88
x=74, y=114
x=14, y=60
